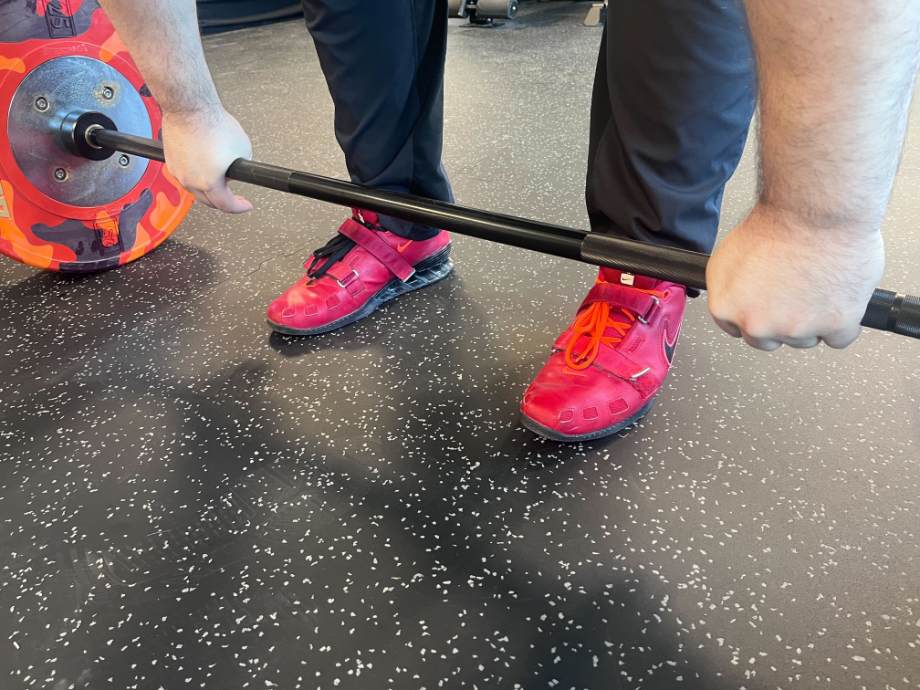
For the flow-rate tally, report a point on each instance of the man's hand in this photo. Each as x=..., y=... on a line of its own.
x=835, y=79
x=199, y=147
x=774, y=280
x=200, y=137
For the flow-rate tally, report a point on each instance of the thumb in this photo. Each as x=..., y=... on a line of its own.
x=221, y=197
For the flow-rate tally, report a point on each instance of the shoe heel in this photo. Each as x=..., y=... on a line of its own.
x=430, y=271
x=430, y=275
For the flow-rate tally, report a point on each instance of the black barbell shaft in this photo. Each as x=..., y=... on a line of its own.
x=887, y=311
x=542, y=237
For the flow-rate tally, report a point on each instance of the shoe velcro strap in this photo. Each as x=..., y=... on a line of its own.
x=347, y=277
x=639, y=303
x=376, y=247
x=616, y=363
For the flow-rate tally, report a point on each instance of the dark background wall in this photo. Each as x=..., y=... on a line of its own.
x=219, y=14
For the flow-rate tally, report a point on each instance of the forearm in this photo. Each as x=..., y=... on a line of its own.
x=835, y=80
x=162, y=37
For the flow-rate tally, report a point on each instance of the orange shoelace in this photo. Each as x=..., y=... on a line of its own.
x=594, y=322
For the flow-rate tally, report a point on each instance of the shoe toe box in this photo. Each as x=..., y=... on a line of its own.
x=574, y=402
x=302, y=306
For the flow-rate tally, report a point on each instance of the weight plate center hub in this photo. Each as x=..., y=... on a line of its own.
x=50, y=94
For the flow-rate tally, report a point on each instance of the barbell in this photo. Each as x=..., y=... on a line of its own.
x=83, y=186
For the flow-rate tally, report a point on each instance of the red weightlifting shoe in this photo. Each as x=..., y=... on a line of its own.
x=358, y=270
x=606, y=369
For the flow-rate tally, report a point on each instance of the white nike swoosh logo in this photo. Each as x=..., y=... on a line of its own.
x=669, y=347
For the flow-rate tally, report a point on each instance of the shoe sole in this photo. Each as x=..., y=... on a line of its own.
x=554, y=435
x=428, y=272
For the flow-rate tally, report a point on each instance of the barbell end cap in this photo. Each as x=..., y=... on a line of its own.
x=894, y=312
x=76, y=134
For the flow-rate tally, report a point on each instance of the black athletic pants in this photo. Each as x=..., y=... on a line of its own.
x=673, y=98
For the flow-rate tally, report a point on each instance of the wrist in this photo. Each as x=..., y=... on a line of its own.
x=779, y=221
x=204, y=114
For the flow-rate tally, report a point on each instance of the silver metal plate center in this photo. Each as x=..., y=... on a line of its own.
x=49, y=93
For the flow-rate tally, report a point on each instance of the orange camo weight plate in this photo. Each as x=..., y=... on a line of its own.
x=60, y=212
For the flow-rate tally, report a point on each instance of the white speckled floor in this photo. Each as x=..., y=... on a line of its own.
x=189, y=501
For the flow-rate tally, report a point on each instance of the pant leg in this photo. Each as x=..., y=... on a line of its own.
x=673, y=98
x=384, y=65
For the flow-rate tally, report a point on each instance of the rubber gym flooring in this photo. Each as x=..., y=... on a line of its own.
x=187, y=500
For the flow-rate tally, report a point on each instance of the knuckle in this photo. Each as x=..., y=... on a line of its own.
x=720, y=310
x=841, y=341
x=751, y=326
x=797, y=331
x=729, y=328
